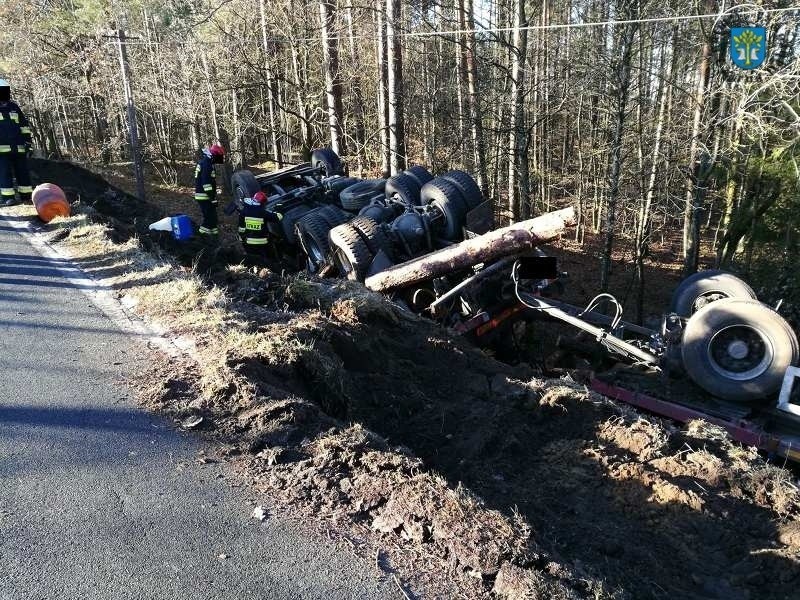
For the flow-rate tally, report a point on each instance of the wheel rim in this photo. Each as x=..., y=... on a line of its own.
x=344, y=262
x=740, y=352
x=314, y=252
x=707, y=298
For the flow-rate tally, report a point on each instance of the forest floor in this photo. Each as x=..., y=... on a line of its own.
x=461, y=475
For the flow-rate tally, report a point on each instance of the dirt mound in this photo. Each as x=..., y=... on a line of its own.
x=546, y=490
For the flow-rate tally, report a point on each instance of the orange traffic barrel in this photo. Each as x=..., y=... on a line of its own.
x=50, y=202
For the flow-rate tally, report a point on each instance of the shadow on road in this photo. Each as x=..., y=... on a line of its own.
x=123, y=420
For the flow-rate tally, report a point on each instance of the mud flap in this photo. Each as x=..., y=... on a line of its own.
x=381, y=262
x=480, y=220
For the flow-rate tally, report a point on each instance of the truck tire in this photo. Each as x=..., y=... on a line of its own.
x=419, y=174
x=350, y=252
x=328, y=161
x=405, y=187
x=445, y=196
x=467, y=186
x=337, y=185
x=700, y=289
x=312, y=232
x=738, y=349
x=357, y=196
x=333, y=215
x=373, y=235
x=244, y=185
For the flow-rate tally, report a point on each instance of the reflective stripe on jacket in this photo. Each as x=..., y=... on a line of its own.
x=15, y=130
x=205, y=180
x=252, y=223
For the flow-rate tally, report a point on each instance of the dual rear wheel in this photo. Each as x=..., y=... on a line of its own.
x=733, y=346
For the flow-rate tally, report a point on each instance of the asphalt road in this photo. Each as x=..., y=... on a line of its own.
x=99, y=499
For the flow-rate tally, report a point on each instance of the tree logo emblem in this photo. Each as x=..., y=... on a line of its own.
x=748, y=46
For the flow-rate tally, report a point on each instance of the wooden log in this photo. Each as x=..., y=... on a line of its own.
x=488, y=247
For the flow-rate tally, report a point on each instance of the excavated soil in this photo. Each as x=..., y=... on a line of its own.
x=574, y=489
x=503, y=482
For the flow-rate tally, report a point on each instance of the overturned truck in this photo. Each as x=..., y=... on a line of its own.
x=429, y=243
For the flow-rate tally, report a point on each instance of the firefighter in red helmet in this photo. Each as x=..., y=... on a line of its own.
x=205, y=187
x=253, y=226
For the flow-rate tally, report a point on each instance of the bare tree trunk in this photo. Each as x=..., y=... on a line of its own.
x=478, y=142
x=643, y=225
x=357, y=96
x=212, y=103
x=623, y=77
x=692, y=213
x=333, y=83
x=383, y=88
x=518, y=184
x=397, y=143
x=461, y=76
x=237, y=158
x=271, y=103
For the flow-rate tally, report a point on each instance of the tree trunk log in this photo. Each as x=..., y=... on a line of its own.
x=485, y=248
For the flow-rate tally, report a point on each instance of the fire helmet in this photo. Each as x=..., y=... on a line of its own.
x=260, y=197
x=216, y=150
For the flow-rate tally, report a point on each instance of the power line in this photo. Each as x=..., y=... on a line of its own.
x=555, y=26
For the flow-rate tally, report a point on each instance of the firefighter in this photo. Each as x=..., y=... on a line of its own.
x=205, y=187
x=15, y=145
x=253, y=226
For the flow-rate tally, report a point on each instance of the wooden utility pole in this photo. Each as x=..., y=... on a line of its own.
x=131, y=115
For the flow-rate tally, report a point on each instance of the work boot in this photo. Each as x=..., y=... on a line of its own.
x=12, y=201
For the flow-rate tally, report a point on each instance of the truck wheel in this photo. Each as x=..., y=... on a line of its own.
x=467, y=186
x=338, y=184
x=333, y=215
x=445, y=196
x=244, y=185
x=350, y=252
x=312, y=232
x=373, y=235
x=405, y=187
x=357, y=196
x=419, y=174
x=328, y=161
x=738, y=349
x=700, y=289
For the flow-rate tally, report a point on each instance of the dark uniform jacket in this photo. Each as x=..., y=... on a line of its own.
x=15, y=131
x=205, y=180
x=252, y=224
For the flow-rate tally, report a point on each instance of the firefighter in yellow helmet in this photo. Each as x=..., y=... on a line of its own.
x=15, y=145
